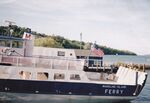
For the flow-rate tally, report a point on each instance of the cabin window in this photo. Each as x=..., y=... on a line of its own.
x=25, y=75
x=17, y=44
x=5, y=43
x=61, y=53
x=97, y=62
x=75, y=77
x=59, y=76
x=42, y=76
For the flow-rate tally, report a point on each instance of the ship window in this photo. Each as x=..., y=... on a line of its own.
x=97, y=62
x=59, y=76
x=61, y=53
x=17, y=44
x=42, y=76
x=25, y=75
x=5, y=43
x=75, y=77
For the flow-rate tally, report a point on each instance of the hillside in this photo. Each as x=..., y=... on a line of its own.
x=56, y=41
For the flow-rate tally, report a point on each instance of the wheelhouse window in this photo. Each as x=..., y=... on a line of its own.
x=97, y=62
x=42, y=76
x=17, y=44
x=75, y=77
x=61, y=53
x=4, y=43
x=59, y=76
x=25, y=74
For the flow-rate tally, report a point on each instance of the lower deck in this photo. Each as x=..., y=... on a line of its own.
x=59, y=78
x=46, y=74
x=14, y=79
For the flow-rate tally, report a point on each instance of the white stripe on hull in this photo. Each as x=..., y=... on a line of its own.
x=45, y=98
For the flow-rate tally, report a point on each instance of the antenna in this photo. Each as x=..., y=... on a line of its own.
x=80, y=40
x=9, y=26
x=9, y=22
x=80, y=43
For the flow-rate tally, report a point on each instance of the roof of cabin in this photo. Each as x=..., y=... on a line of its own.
x=51, y=51
x=10, y=38
x=82, y=52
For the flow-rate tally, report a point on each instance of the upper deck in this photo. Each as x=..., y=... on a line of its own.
x=43, y=62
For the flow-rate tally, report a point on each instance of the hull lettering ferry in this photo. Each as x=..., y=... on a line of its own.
x=63, y=75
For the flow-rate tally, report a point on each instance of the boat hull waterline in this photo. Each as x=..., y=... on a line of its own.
x=67, y=91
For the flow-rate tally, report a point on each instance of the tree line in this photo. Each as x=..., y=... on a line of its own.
x=57, y=41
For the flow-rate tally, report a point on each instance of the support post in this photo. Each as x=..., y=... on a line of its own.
x=136, y=79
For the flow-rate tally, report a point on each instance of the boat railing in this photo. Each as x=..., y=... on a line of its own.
x=42, y=62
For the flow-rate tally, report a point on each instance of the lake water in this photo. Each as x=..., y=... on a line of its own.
x=144, y=96
x=127, y=59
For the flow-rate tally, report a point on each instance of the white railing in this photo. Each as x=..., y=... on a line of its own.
x=51, y=63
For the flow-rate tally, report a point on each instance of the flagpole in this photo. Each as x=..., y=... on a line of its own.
x=80, y=45
x=92, y=46
x=80, y=40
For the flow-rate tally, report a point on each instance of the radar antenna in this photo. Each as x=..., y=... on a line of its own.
x=9, y=22
x=9, y=26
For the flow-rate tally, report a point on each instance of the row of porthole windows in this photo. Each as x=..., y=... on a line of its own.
x=45, y=76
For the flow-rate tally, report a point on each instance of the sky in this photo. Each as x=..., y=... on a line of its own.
x=119, y=24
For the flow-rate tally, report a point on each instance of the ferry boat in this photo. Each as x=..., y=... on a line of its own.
x=62, y=75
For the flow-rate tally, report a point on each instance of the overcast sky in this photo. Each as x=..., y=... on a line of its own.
x=120, y=24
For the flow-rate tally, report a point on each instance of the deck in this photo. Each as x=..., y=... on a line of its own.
x=42, y=62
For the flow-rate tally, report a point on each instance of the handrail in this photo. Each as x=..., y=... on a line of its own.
x=50, y=63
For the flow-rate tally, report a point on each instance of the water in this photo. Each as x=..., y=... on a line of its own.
x=127, y=59
x=144, y=96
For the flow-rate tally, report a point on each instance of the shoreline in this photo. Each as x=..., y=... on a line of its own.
x=142, y=67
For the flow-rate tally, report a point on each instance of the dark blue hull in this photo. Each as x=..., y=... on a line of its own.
x=67, y=88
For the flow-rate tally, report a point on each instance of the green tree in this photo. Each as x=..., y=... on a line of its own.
x=46, y=42
x=57, y=41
